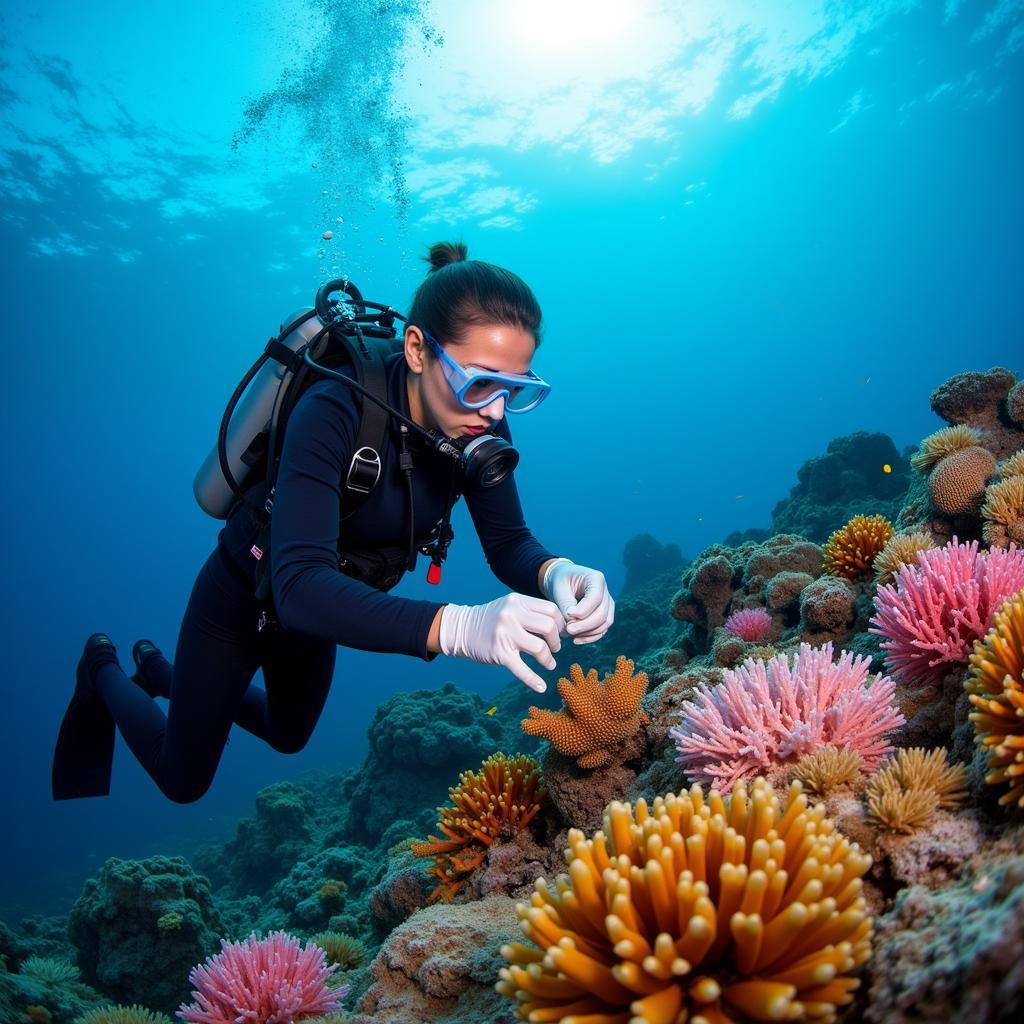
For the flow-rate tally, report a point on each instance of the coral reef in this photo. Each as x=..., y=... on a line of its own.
x=439, y=966
x=979, y=400
x=851, y=550
x=501, y=799
x=765, y=713
x=685, y=908
x=951, y=954
x=931, y=616
x=599, y=715
x=995, y=684
x=114, y=926
x=272, y=980
x=848, y=479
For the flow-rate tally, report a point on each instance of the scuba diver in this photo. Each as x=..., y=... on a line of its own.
x=380, y=443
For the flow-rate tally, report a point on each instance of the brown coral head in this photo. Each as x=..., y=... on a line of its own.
x=1003, y=513
x=332, y=892
x=995, y=683
x=957, y=483
x=696, y=908
x=851, y=550
x=598, y=715
x=503, y=797
x=936, y=447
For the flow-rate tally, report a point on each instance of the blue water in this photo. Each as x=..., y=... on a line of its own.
x=750, y=233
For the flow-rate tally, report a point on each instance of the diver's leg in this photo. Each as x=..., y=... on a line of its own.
x=215, y=660
x=297, y=670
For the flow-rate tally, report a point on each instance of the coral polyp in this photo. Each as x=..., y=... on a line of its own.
x=699, y=907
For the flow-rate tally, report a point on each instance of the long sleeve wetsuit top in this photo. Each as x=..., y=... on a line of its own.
x=311, y=595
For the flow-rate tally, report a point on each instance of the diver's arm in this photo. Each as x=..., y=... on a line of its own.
x=311, y=595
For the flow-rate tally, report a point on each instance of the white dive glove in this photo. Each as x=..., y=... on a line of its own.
x=498, y=632
x=582, y=597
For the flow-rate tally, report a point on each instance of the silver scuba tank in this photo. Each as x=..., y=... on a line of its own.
x=249, y=418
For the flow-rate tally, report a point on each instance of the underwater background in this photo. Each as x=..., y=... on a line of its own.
x=753, y=228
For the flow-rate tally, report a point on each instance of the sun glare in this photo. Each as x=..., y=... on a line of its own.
x=564, y=28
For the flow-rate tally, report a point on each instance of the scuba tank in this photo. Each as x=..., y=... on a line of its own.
x=245, y=424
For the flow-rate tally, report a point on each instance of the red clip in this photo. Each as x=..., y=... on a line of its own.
x=434, y=572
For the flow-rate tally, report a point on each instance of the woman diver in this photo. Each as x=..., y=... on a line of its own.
x=468, y=343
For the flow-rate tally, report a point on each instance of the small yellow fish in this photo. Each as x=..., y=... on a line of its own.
x=886, y=468
x=491, y=711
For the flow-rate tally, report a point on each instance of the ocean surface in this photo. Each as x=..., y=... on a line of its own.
x=752, y=227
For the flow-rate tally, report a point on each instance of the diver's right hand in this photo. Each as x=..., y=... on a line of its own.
x=499, y=632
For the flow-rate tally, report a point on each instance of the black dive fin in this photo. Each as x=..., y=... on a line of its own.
x=84, y=754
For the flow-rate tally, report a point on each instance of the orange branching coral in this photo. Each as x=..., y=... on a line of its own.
x=851, y=550
x=995, y=683
x=501, y=798
x=935, y=447
x=901, y=549
x=1003, y=512
x=598, y=715
x=713, y=909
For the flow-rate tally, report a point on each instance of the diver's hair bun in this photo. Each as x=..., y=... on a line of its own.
x=443, y=253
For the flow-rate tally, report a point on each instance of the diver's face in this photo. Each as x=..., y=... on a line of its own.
x=432, y=402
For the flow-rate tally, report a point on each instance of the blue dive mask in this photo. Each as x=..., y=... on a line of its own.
x=476, y=388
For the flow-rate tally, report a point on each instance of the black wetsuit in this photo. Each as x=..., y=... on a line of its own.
x=318, y=607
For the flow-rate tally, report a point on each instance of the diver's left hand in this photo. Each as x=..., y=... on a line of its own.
x=582, y=597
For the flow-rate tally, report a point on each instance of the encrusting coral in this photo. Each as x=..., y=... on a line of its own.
x=931, y=616
x=828, y=769
x=943, y=443
x=996, y=687
x=850, y=551
x=907, y=791
x=713, y=909
x=598, y=715
x=901, y=549
x=503, y=797
x=766, y=713
x=1002, y=513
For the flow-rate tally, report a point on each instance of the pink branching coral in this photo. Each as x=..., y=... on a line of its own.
x=765, y=713
x=262, y=981
x=750, y=624
x=937, y=607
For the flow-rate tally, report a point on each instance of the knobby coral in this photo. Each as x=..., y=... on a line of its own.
x=726, y=908
x=750, y=624
x=931, y=616
x=996, y=687
x=502, y=798
x=936, y=447
x=1003, y=512
x=766, y=713
x=598, y=715
x=904, y=794
x=901, y=549
x=271, y=980
x=851, y=550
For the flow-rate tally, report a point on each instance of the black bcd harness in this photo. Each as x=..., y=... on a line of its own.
x=340, y=343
